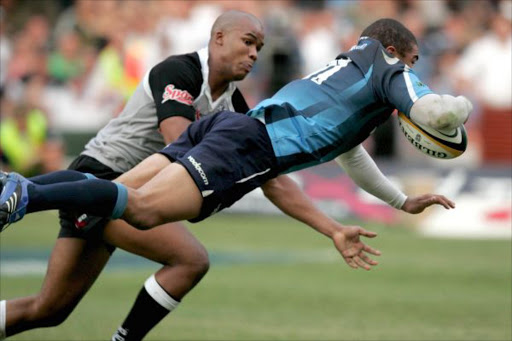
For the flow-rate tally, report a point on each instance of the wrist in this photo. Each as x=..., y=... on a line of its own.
x=404, y=201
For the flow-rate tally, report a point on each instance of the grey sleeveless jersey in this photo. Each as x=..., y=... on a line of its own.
x=177, y=86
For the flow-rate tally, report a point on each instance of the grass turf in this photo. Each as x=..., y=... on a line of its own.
x=273, y=279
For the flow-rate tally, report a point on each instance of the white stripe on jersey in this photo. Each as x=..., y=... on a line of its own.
x=145, y=84
x=408, y=83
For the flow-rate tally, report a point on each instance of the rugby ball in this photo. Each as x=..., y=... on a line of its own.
x=434, y=143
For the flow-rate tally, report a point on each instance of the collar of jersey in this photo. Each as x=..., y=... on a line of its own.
x=205, y=87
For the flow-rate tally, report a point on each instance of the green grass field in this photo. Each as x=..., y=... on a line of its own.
x=273, y=279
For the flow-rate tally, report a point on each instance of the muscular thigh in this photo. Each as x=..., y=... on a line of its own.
x=172, y=194
x=166, y=244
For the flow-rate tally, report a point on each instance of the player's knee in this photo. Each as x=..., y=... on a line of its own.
x=200, y=265
x=196, y=262
x=141, y=213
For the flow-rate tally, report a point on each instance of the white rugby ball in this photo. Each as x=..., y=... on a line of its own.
x=434, y=143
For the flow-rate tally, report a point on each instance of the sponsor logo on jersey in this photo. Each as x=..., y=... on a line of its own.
x=199, y=169
x=178, y=95
x=358, y=47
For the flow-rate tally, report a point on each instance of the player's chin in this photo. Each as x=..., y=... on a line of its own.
x=240, y=75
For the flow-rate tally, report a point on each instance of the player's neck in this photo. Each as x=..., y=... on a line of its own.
x=217, y=86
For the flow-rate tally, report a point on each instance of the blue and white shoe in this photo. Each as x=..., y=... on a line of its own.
x=13, y=198
x=3, y=177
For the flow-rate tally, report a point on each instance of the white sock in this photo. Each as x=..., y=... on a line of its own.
x=160, y=295
x=3, y=317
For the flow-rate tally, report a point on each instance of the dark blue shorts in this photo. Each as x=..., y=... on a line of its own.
x=228, y=155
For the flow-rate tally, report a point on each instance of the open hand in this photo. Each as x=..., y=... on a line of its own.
x=415, y=205
x=353, y=250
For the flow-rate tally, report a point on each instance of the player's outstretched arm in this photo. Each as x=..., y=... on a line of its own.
x=417, y=204
x=364, y=172
x=289, y=198
x=362, y=169
x=286, y=195
x=355, y=253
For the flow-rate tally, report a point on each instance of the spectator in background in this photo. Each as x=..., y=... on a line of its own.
x=318, y=34
x=281, y=60
x=173, y=26
x=65, y=62
x=22, y=135
x=140, y=43
x=484, y=68
x=26, y=145
x=29, y=50
x=5, y=50
x=85, y=18
x=485, y=71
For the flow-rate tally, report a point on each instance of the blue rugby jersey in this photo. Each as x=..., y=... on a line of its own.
x=315, y=119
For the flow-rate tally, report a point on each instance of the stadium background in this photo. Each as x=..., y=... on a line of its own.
x=67, y=67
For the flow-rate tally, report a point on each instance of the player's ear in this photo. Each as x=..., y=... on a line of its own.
x=219, y=38
x=392, y=51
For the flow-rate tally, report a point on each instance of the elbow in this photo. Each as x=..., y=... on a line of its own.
x=269, y=193
x=272, y=189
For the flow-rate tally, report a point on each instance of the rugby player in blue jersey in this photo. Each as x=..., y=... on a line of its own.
x=324, y=116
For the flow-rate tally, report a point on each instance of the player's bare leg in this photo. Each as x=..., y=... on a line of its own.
x=184, y=257
x=171, y=195
x=75, y=264
x=73, y=267
x=185, y=260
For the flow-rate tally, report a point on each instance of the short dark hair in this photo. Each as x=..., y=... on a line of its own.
x=391, y=33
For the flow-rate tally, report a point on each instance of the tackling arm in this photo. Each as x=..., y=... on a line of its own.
x=441, y=112
x=288, y=197
x=170, y=128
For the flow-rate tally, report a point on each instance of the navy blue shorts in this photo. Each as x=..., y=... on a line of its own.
x=228, y=155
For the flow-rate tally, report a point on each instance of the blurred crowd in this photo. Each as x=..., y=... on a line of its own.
x=67, y=67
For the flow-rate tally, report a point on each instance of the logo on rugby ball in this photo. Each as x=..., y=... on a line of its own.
x=437, y=144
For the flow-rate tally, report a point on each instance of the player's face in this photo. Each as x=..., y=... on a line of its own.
x=241, y=50
x=410, y=58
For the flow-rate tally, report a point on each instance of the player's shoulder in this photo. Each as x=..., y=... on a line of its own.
x=183, y=71
x=366, y=48
x=183, y=64
x=369, y=52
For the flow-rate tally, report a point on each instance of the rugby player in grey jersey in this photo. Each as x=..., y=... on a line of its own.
x=171, y=95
